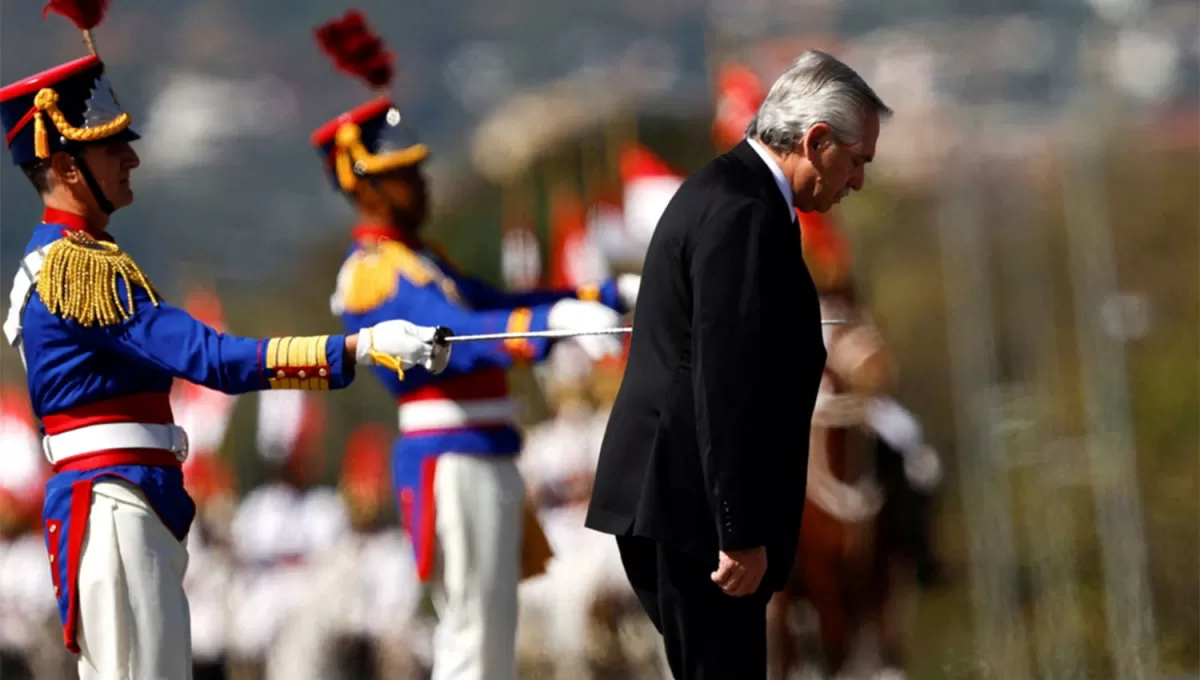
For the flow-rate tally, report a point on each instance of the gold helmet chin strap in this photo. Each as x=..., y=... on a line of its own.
x=352, y=160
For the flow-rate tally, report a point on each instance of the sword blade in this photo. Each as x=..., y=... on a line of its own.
x=575, y=333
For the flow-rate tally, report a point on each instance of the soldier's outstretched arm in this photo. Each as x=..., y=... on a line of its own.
x=165, y=338
x=429, y=306
x=615, y=293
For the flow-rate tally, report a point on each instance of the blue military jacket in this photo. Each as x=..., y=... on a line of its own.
x=100, y=346
x=466, y=408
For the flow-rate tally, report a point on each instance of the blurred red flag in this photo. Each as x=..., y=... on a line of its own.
x=202, y=412
x=23, y=468
x=649, y=185
x=575, y=259
x=825, y=250
x=739, y=93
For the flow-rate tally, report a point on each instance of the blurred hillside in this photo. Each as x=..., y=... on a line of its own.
x=225, y=93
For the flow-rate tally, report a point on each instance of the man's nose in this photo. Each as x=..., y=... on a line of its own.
x=858, y=179
x=131, y=158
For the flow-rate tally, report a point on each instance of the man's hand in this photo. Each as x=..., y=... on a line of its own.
x=400, y=340
x=580, y=315
x=739, y=572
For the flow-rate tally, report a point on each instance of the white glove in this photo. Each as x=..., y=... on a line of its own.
x=839, y=410
x=627, y=289
x=581, y=315
x=402, y=341
x=923, y=469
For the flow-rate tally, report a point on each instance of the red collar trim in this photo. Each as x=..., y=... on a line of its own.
x=365, y=232
x=72, y=221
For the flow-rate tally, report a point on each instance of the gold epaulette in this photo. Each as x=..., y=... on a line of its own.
x=79, y=277
x=298, y=363
x=369, y=276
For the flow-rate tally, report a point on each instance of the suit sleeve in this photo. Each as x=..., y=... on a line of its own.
x=168, y=339
x=728, y=327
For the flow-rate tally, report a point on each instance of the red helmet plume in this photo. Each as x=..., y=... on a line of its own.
x=355, y=49
x=86, y=14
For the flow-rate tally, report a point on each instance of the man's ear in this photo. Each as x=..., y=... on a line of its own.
x=64, y=169
x=818, y=137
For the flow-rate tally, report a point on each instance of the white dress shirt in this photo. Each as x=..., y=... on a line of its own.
x=785, y=188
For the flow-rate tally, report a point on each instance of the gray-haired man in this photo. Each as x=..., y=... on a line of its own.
x=701, y=474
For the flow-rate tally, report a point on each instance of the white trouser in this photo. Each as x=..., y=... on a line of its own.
x=133, y=615
x=479, y=502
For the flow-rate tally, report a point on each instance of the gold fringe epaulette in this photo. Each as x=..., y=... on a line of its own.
x=79, y=278
x=370, y=277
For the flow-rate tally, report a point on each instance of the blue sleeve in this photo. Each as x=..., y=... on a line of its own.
x=170, y=340
x=481, y=295
x=428, y=306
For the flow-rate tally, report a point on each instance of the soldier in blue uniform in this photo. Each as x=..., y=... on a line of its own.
x=453, y=466
x=101, y=348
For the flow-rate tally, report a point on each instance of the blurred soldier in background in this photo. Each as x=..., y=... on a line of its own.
x=211, y=575
x=363, y=597
x=280, y=526
x=569, y=605
x=853, y=528
x=453, y=467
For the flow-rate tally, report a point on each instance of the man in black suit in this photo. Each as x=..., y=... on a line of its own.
x=702, y=471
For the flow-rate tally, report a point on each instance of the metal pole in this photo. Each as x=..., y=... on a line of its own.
x=1047, y=511
x=999, y=630
x=1111, y=456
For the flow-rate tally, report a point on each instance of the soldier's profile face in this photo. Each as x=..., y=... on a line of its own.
x=407, y=192
x=112, y=164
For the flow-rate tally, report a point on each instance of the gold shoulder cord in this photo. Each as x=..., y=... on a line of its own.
x=79, y=278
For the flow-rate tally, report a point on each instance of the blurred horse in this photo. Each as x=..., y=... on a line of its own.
x=837, y=568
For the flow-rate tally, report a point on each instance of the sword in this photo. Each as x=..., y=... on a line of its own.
x=445, y=335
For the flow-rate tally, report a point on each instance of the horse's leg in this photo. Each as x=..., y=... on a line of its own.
x=825, y=585
x=889, y=611
x=883, y=589
x=781, y=644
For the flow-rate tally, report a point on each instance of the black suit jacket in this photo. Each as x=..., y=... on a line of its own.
x=707, y=445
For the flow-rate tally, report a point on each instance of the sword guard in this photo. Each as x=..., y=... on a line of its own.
x=440, y=334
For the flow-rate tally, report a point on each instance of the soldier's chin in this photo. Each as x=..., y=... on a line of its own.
x=123, y=197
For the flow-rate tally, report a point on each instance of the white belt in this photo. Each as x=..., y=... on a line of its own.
x=108, y=436
x=444, y=414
